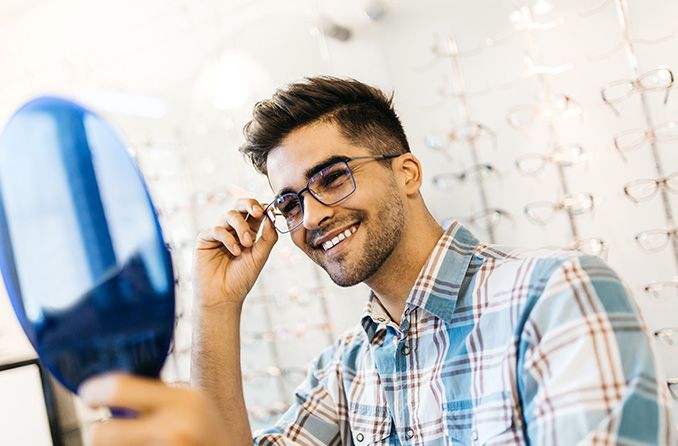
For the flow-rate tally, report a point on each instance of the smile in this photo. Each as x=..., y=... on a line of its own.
x=340, y=238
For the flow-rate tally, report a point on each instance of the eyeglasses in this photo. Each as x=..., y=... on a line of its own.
x=662, y=290
x=632, y=139
x=568, y=155
x=561, y=105
x=591, y=247
x=656, y=239
x=673, y=387
x=645, y=189
x=541, y=212
x=329, y=186
x=469, y=132
x=667, y=336
x=657, y=79
x=489, y=217
x=445, y=181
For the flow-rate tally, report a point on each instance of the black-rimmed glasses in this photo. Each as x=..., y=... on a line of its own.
x=329, y=186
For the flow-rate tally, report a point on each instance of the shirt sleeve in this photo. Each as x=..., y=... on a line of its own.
x=587, y=371
x=312, y=418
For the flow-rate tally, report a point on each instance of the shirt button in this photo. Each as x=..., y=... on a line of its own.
x=360, y=437
x=475, y=435
x=405, y=350
x=410, y=433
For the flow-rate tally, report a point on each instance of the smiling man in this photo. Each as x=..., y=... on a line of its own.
x=460, y=342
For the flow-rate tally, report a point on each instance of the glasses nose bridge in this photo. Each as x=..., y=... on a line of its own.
x=307, y=216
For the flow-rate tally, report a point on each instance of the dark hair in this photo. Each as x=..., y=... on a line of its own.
x=364, y=115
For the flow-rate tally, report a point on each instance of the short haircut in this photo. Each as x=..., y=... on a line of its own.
x=364, y=114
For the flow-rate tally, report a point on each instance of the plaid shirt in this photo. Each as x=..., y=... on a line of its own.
x=495, y=346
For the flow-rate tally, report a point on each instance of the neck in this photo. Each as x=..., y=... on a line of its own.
x=394, y=280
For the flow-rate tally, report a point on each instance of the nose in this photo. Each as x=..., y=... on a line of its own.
x=315, y=213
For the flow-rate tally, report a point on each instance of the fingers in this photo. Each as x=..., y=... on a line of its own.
x=125, y=391
x=222, y=236
x=119, y=432
x=243, y=222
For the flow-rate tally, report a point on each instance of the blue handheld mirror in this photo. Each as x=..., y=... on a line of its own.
x=81, y=251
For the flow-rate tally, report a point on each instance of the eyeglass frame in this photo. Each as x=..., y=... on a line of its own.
x=307, y=188
x=551, y=158
x=636, y=86
x=561, y=205
x=482, y=170
x=670, y=233
x=661, y=183
x=650, y=134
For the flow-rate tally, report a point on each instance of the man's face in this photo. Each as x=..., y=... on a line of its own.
x=374, y=214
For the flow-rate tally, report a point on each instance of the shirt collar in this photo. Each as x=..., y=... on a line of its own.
x=439, y=282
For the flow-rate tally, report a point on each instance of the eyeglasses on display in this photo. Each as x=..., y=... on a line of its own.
x=657, y=79
x=469, y=132
x=655, y=239
x=446, y=181
x=644, y=189
x=591, y=247
x=559, y=106
x=662, y=290
x=633, y=139
x=329, y=186
x=667, y=336
x=673, y=387
x=566, y=156
x=489, y=217
x=541, y=212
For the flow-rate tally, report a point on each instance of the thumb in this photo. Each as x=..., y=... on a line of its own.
x=269, y=236
x=125, y=391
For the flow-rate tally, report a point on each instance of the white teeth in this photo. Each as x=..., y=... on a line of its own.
x=342, y=236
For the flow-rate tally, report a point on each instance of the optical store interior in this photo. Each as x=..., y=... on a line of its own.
x=538, y=123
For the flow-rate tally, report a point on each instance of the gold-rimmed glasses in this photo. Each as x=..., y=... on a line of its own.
x=658, y=79
x=560, y=105
x=667, y=336
x=541, y=212
x=662, y=290
x=564, y=155
x=644, y=189
x=655, y=239
x=446, y=181
x=468, y=132
x=632, y=139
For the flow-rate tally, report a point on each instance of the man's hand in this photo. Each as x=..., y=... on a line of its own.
x=165, y=415
x=228, y=259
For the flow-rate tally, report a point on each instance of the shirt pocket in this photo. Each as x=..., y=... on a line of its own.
x=370, y=424
x=484, y=423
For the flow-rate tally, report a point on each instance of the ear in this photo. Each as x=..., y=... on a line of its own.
x=409, y=173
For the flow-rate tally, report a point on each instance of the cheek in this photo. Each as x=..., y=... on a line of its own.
x=299, y=237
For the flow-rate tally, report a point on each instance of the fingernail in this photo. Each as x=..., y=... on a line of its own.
x=98, y=390
x=236, y=250
x=258, y=208
x=247, y=238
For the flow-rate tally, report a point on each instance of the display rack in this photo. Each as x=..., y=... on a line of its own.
x=550, y=107
x=487, y=214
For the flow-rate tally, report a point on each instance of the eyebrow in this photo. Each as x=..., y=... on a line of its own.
x=313, y=170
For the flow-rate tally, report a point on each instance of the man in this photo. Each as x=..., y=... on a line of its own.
x=460, y=343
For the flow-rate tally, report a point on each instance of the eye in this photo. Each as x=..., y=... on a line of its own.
x=334, y=178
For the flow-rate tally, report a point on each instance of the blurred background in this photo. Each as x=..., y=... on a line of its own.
x=538, y=123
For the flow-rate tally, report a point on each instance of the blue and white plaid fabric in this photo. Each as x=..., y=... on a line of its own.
x=496, y=346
